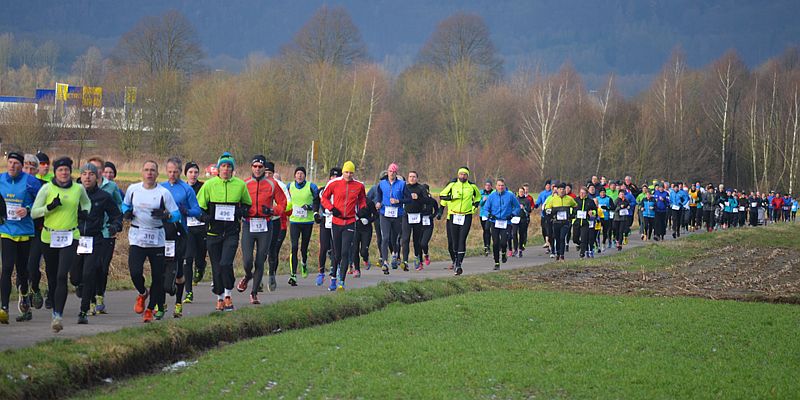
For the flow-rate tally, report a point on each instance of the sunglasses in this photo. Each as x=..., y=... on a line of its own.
x=44, y=164
x=257, y=166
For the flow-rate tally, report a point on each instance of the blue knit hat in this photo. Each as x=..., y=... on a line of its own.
x=226, y=158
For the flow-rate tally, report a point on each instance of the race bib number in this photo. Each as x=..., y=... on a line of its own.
x=390, y=212
x=581, y=214
x=735, y=210
x=741, y=208
x=426, y=221
x=11, y=212
x=85, y=245
x=500, y=224
x=192, y=221
x=591, y=224
x=610, y=214
x=414, y=218
x=727, y=204
x=753, y=205
x=624, y=212
x=258, y=225
x=329, y=222
x=147, y=236
x=515, y=220
x=224, y=212
x=299, y=212
x=459, y=219
x=169, y=248
x=561, y=216
x=484, y=218
x=675, y=207
x=60, y=239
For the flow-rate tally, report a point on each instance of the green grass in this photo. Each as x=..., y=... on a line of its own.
x=511, y=344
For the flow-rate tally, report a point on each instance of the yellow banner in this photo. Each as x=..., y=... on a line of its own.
x=130, y=95
x=61, y=91
x=92, y=96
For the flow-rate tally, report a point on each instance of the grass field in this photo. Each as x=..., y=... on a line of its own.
x=510, y=344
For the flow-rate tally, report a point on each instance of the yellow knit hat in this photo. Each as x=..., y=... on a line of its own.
x=349, y=167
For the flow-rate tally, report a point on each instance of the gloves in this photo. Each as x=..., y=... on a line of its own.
x=160, y=213
x=128, y=215
x=318, y=218
x=242, y=211
x=548, y=211
x=83, y=214
x=204, y=218
x=336, y=213
x=308, y=207
x=446, y=197
x=112, y=230
x=183, y=210
x=364, y=221
x=266, y=210
x=439, y=214
x=363, y=213
x=54, y=203
x=492, y=216
x=477, y=203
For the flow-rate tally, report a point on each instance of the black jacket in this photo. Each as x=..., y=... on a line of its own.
x=91, y=223
x=411, y=205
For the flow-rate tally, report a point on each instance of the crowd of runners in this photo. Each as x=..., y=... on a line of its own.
x=176, y=224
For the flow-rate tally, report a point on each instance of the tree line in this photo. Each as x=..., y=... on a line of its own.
x=456, y=105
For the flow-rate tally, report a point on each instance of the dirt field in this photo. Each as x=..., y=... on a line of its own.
x=768, y=275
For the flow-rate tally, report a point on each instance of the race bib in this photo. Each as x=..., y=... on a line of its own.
x=426, y=221
x=11, y=212
x=147, y=236
x=561, y=216
x=675, y=207
x=169, y=248
x=192, y=221
x=224, y=212
x=515, y=220
x=727, y=204
x=414, y=218
x=735, y=210
x=741, y=208
x=610, y=214
x=299, y=212
x=329, y=221
x=754, y=205
x=258, y=225
x=390, y=212
x=484, y=218
x=60, y=239
x=581, y=214
x=85, y=245
x=591, y=224
x=500, y=224
x=459, y=219
x=624, y=212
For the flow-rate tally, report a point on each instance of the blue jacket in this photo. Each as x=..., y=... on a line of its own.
x=542, y=198
x=484, y=196
x=631, y=199
x=388, y=191
x=501, y=206
x=648, y=207
x=185, y=199
x=21, y=191
x=606, y=204
x=678, y=197
x=662, y=201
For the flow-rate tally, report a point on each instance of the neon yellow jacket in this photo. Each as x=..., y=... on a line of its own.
x=460, y=197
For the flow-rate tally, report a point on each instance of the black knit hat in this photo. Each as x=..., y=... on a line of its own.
x=300, y=168
x=111, y=165
x=16, y=156
x=62, y=162
x=43, y=158
x=269, y=166
x=189, y=165
x=335, y=171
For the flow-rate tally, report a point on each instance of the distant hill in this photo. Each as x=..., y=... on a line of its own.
x=632, y=38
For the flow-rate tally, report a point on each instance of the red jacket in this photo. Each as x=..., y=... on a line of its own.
x=265, y=192
x=348, y=198
x=777, y=203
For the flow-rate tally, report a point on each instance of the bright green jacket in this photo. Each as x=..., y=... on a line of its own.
x=463, y=197
x=65, y=216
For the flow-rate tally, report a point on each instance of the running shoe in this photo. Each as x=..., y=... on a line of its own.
x=101, y=305
x=83, y=319
x=242, y=286
x=405, y=266
x=3, y=316
x=148, y=316
x=254, y=299
x=625, y=241
x=510, y=253
x=395, y=262
x=496, y=266
x=519, y=254
x=178, y=311
x=189, y=298
x=37, y=301
x=159, y=315
x=220, y=305
x=459, y=271
x=320, y=278
x=505, y=258
x=139, y=306
x=27, y=316
x=304, y=270
x=56, y=325
x=196, y=278
x=357, y=274
x=340, y=287
x=367, y=265
x=273, y=283
x=228, y=303
x=332, y=286
x=24, y=305
x=92, y=309
x=427, y=260
x=350, y=270
x=292, y=280
x=48, y=302
x=385, y=269
x=485, y=251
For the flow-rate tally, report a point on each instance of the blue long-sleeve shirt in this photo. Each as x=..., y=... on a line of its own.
x=662, y=201
x=501, y=206
x=19, y=191
x=387, y=191
x=543, y=196
x=185, y=199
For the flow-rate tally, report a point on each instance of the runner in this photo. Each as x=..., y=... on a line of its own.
x=415, y=196
x=585, y=209
x=363, y=238
x=607, y=205
x=559, y=208
x=787, y=207
x=346, y=200
x=568, y=191
x=710, y=201
x=186, y=199
x=545, y=222
x=390, y=192
x=35, y=254
x=194, y=262
x=662, y=209
x=430, y=210
x=304, y=198
x=754, y=204
x=695, y=197
x=648, y=212
x=224, y=200
x=110, y=173
x=519, y=228
x=461, y=197
x=485, y=225
x=59, y=202
x=257, y=229
x=325, y=220
x=18, y=191
x=501, y=207
x=148, y=205
x=678, y=202
x=104, y=218
x=43, y=171
x=278, y=227
x=622, y=213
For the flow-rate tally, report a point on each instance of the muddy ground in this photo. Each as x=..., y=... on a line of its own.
x=732, y=273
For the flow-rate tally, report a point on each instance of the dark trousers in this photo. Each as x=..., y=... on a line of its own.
x=607, y=237
x=34, y=261
x=661, y=224
x=459, y=235
x=677, y=218
x=300, y=236
x=221, y=251
x=136, y=258
x=391, y=229
x=195, y=255
x=343, y=239
x=499, y=242
x=362, y=241
x=278, y=236
x=101, y=282
x=260, y=242
x=325, y=242
x=519, y=235
x=585, y=238
x=649, y=225
x=708, y=217
x=58, y=263
x=451, y=247
x=559, y=237
x=487, y=233
x=14, y=256
x=87, y=269
x=412, y=233
x=425, y=239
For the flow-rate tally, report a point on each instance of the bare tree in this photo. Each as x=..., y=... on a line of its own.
x=89, y=67
x=6, y=51
x=604, y=103
x=161, y=43
x=461, y=38
x=46, y=55
x=542, y=105
x=724, y=101
x=330, y=36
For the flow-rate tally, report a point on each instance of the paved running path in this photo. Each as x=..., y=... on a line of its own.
x=120, y=303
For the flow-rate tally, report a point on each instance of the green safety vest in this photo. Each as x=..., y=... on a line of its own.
x=65, y=216
x=300, y=198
